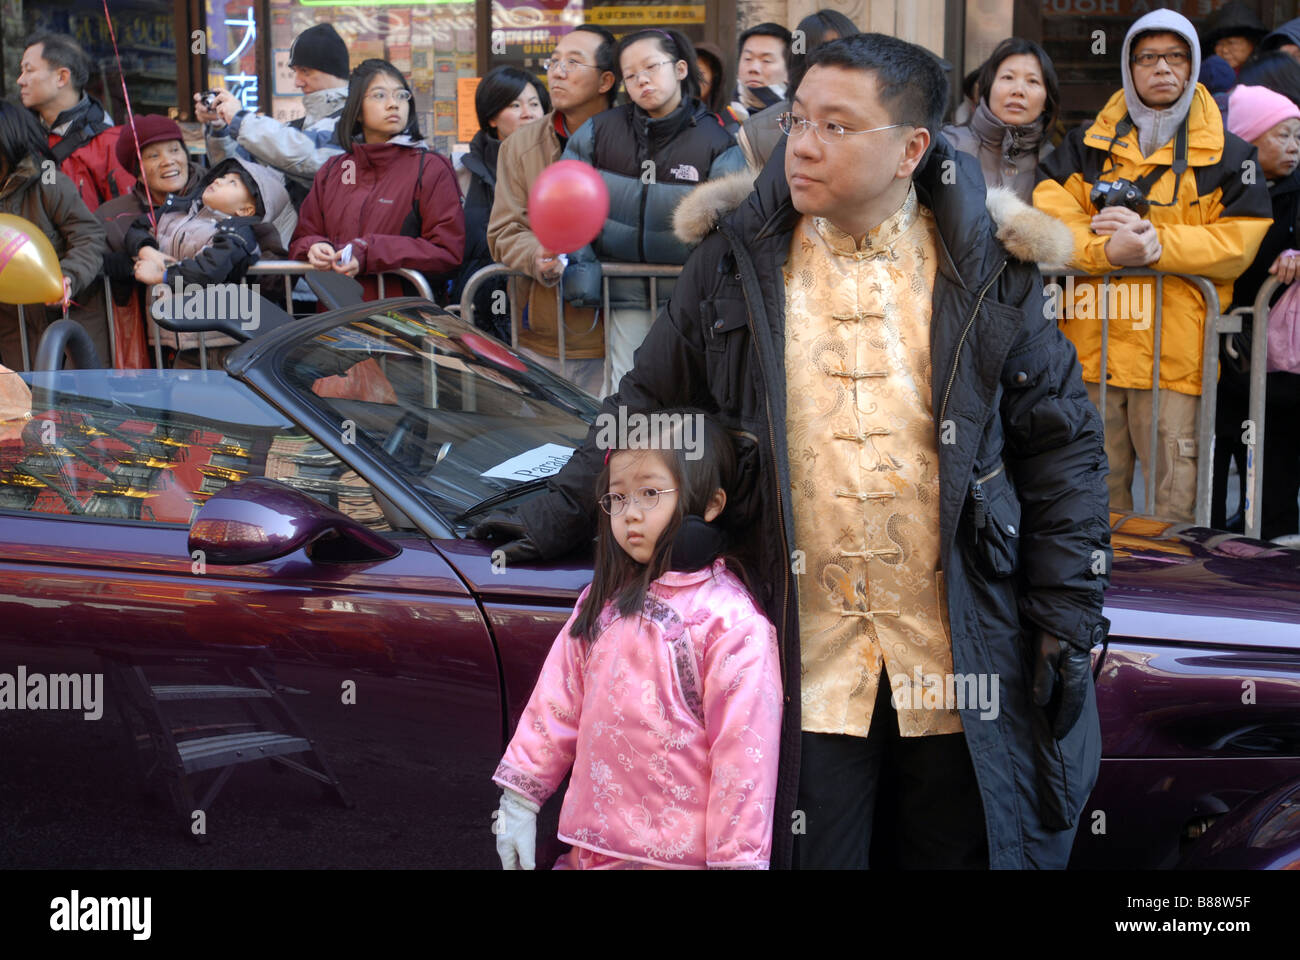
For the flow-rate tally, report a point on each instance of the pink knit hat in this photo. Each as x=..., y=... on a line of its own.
x=1253, y=111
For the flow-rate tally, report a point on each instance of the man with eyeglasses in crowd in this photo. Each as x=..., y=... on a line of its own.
x=582, y=83
x=1209, y=210
x=921, y=491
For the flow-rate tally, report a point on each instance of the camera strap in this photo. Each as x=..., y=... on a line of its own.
x=1147, y=181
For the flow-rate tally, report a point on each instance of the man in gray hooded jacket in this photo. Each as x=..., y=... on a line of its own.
x=1205, y=213
x=297, y=149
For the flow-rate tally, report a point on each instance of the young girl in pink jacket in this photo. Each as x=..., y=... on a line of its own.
x=663, y=690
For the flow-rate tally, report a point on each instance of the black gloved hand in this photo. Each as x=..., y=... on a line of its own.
x=1062, y=673
x=506, y=525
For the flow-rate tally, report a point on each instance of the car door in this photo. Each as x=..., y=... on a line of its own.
x=1198, y=690
x=388, y=666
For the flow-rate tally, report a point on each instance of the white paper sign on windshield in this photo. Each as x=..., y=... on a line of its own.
x=540, y=461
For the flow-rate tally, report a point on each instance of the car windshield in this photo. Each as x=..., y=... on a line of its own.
x=152, y=446
x=466, y=420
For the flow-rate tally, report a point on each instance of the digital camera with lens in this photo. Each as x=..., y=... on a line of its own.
x=1119, y=193
x=208, y=97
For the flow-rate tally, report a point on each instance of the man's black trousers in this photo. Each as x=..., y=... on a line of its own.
x=886, y=800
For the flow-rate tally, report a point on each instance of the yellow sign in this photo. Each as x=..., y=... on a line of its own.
x=646, y=16
x=466, y=118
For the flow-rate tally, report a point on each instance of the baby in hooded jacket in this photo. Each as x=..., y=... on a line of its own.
x=216, y=233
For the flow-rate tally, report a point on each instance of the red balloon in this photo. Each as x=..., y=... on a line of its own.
x=567, y=206
x=491, y=350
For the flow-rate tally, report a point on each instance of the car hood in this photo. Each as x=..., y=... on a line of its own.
x=1189, y=583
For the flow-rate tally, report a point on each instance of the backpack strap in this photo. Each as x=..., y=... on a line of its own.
x=413, y=225
x=72, y=142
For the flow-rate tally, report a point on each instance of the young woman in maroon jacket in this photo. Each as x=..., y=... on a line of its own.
x=389, y=197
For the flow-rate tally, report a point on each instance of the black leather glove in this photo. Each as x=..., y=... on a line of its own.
x=1062, y=673
x=506, y=525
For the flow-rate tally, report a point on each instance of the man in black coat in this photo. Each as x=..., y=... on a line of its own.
x=1018, y=517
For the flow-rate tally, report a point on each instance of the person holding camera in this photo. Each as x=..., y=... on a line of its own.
x=297, y=149
x=1154, y=181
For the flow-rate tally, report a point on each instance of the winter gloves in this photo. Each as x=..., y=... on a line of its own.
x=506, y=525
x=1062, y=673
x=515, y=827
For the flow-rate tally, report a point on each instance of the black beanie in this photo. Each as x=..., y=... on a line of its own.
x=320, y=48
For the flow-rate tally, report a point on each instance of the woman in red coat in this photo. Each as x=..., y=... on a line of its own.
x=389, y=197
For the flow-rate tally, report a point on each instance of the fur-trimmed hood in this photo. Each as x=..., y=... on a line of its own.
x=1029, y=235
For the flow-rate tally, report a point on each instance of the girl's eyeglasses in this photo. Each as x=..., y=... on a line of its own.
x=381, y=95
x=647, y=497
x=646, y=74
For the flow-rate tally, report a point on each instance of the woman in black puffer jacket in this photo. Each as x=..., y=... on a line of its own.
x=505, y=100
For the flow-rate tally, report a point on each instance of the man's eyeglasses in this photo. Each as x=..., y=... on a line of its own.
x=1175, y=58
x=565, y=67
x=646, y=74
x=647, y=497
x=381, y=95
x=827, y=132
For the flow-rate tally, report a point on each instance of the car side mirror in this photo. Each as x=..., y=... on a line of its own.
x=257, y=520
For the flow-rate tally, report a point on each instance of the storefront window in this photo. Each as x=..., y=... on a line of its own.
x=146, y=42
x=431, y=43
x=232, y=51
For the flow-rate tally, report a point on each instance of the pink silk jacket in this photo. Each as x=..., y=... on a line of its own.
x=671, y=722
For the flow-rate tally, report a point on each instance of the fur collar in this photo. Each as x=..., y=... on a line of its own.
x=1029, y=235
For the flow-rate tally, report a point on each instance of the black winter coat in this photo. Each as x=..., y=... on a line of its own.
x=481, y=162
x=1007, y=389
x=648, y=165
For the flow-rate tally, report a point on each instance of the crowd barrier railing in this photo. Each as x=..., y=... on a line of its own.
x=264, y=268
x=1215, y=323
x=651, y=272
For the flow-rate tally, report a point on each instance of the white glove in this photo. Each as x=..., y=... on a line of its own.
x=515, y=826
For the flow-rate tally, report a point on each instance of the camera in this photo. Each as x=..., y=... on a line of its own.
x=208, y=97
x=1119, y=193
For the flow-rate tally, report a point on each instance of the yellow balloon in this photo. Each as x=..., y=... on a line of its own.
x=29, y=269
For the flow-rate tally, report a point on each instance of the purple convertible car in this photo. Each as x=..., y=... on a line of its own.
x=240, y=624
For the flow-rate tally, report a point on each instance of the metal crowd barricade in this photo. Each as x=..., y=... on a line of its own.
x=1216, y=323
x=263, y=268
x=1258, y=405
x=652, y=272
x=112, y=334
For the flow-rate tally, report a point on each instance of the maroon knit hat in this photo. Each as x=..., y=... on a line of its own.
x=151, y=128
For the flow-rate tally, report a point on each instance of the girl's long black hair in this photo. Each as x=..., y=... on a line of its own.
x=620, y=580
x=674, y=44
x=350, y=120
x=20, y=136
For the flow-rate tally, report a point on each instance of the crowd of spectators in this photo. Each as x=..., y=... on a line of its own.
x=353, y=188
